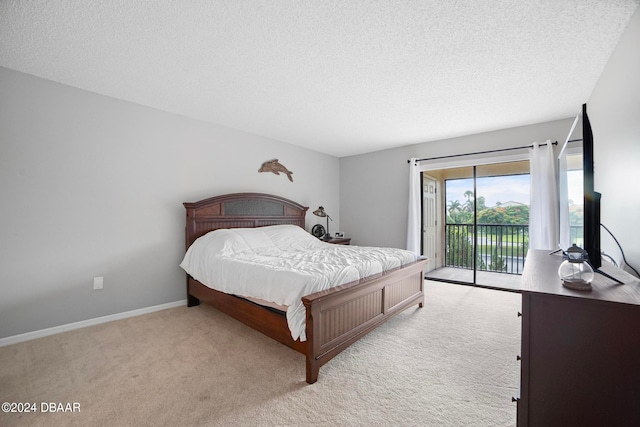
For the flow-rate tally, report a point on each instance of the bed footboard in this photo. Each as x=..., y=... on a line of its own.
x=340, y=316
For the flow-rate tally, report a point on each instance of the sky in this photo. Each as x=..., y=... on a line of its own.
x=511, y=188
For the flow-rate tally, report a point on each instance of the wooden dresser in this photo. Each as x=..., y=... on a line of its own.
x=580, y=356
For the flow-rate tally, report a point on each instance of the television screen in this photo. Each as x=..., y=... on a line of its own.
x=571, y=190
x=579, y=203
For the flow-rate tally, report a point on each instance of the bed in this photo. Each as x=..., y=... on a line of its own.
x=335, y=317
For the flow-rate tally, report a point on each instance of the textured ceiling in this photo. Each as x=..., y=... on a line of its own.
x=342, y=77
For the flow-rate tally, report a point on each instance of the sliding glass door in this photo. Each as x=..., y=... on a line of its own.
x=484, y=224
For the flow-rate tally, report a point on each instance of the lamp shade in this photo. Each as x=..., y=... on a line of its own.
x=320, y=212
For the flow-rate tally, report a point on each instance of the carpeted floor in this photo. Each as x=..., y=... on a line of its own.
x=451, y=363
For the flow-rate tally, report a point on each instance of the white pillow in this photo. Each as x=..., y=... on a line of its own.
x=227, y=242
x=288, y=237
x=252, y=239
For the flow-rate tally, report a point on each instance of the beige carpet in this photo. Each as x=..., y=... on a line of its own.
x=451, y=363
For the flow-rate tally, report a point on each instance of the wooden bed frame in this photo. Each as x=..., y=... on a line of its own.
x=336, y=317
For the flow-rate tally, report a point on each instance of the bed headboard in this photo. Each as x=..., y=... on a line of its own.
x=240, y=210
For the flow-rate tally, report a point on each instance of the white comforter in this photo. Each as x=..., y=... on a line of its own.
x=281, y=264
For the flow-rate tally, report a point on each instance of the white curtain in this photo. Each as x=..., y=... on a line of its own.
x=543, y=213
x=413, y=225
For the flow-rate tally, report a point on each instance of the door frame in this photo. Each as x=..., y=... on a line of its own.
x=473, y=161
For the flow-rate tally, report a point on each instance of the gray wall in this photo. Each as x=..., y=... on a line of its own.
x=374, y=187
x=614, y=112
x=93, y=186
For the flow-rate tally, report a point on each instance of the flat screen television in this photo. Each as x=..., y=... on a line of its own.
x=579, y=202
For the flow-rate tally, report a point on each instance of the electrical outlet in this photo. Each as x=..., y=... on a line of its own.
x=98, y=283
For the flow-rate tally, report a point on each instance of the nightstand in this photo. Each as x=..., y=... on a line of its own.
x=339, y=240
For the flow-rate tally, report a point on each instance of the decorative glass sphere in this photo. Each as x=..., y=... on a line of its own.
x=575, y=272
x=576, y=275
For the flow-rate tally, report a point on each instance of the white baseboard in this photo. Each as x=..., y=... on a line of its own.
x=89, y=322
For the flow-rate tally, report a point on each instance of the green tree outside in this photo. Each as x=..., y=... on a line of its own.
x=460, y=239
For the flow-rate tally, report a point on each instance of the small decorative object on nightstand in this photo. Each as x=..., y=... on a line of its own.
x=340, y=240
x=321, y=213
x=318, y=231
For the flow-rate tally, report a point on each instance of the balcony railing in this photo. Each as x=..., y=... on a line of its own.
x=501, y=248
